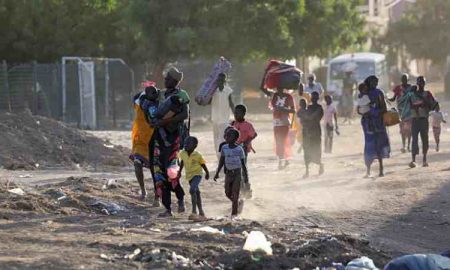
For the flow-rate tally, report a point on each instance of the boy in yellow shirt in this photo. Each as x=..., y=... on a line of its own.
x=193, y=162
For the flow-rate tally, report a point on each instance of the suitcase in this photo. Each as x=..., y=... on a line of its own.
x=205, y=93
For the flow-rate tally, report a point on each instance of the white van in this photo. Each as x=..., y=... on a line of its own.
x=365, y=64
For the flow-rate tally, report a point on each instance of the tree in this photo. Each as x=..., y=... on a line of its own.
x=245, y=29
x=45, y=30
x=423, y=31
x=159, y=32
x=328, y=26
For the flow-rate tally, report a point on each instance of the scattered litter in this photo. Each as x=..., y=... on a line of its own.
x=107, y=208
x=105, y=257
x=110, y=146
x=334, y=266
x=25, y=175
x=179, y=260
x=154, y=230
x=207, y=229
x=17, y=191
x=133, y=255
x=110, y=183
x=363, y=263
x=36, y=165
x=56, y=193
x=255, y=241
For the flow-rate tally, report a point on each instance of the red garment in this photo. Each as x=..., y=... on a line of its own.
x=399, y=90
x=283, y=147
x=286, y=101
x=246, y=133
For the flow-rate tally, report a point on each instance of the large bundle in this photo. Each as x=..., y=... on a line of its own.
x=281, y=75
x=205, y=93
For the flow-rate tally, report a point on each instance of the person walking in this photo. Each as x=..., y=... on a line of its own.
x=283, y=106
x=233, y=158
x=313, y=85
x=312, y=133
x=330, y=113
x=166, y=147
x=405, y=123
x=221, y=108
x=421, y=102
x=376, y=140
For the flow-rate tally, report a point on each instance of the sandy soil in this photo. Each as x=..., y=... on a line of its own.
x=405, y=211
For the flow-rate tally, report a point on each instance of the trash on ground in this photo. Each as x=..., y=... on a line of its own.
x=107, y=208
x=363, y=263
x=256, y=241
x=110, y=183
x=133, y=255
x=25, y=175
x=17, y=191
x=179, y=260
x=207, y=229
x=105, y=257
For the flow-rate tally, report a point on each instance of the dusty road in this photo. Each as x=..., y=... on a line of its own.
x=408, y=210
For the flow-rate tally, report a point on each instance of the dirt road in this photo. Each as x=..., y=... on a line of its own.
x=405, y=211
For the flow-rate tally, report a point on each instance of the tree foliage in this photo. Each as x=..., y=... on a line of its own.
x=162, y=31
x=423, y=32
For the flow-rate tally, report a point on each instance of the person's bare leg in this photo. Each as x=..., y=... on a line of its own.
x=306, y=175
x=367, y=171
x=409, y=143
x=300, y=148
x=380, y=162
x=403, y=150
x=139, y=172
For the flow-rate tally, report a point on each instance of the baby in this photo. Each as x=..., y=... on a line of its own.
x=363, y=100
x=363, y=104
x=161, y=110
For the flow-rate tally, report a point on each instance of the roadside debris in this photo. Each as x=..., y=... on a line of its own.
x=17, y=191
x=256, y=241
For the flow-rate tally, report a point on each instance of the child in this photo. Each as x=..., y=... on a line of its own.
x=233, y=157
x=145, y=103
x=363, y=100
x=246, y=135
x=363, y=104
x=166, y=109
x=329, y=114
x=436, y=119
x=193, y=163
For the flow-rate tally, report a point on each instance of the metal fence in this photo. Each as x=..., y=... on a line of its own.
x=38, y=87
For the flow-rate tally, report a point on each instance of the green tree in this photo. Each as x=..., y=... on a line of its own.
x=244, y=29
x=328, y=26
x=45, y=30
x=423, y=31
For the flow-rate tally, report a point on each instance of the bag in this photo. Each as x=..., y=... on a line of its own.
x=281, y=75
x=205, y=93
x=391, y=118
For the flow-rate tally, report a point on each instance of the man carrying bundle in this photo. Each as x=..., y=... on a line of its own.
x=221, y=108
